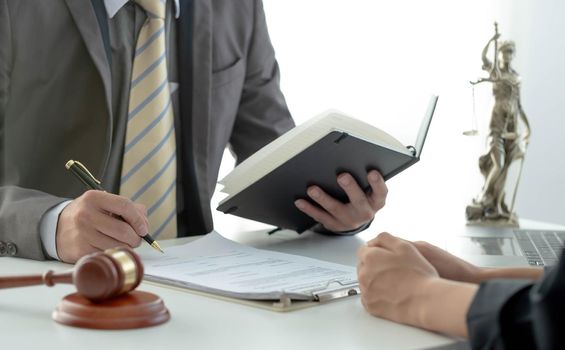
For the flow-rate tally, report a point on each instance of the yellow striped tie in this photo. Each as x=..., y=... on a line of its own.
x=149, y=166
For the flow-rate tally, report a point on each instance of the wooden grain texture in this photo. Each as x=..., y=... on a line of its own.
x=132, y=310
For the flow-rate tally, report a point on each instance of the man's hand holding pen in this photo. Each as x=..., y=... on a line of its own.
x=99, y=220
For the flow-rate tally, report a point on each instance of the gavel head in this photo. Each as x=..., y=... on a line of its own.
x=104, y=275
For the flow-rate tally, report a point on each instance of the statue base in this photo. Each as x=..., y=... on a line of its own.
x=481, y=216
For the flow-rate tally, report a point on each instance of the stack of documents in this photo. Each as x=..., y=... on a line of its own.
x=214, y=264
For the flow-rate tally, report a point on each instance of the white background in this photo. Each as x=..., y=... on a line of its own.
x=381, y=60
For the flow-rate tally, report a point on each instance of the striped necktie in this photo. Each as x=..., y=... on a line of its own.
x=149, y=163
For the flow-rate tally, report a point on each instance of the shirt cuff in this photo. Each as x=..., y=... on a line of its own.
x=319, y=228
x=48, y=229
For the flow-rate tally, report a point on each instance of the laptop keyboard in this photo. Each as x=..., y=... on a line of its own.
x=541, y=247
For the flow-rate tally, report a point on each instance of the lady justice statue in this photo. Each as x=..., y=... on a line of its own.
x=505, y=142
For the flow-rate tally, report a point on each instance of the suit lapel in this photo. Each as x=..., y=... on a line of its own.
x=87, y=23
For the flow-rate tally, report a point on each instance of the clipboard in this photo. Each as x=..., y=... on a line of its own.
x=283, y=304
x=217, y=267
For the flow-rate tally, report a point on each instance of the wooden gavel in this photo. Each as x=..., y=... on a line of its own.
x=98, y=277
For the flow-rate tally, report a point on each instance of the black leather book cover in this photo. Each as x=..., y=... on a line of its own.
x=271, y=199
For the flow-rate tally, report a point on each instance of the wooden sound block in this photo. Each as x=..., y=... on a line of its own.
x=132, y=310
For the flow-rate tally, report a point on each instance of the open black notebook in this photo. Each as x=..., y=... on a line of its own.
x=264, y=187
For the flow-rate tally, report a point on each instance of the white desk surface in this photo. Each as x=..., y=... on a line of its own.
x=200, y=322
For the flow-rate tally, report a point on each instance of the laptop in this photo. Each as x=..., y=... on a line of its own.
x=504, y=246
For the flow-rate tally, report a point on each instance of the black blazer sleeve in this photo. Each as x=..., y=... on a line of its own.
x=516, y=314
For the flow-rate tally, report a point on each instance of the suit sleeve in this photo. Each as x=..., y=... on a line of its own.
x=5, y=64
x=263, y=114
x=512, y=314
x=21, y=209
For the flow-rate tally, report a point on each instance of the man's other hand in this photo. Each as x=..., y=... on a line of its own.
x=341, y=217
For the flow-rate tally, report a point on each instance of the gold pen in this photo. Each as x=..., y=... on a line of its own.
x=82, y=173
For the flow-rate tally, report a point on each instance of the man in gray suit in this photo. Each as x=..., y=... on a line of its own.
x=65, y=80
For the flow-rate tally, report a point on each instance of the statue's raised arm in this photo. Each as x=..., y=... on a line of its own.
x=488, y=65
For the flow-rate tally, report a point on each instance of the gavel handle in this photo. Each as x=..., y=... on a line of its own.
x=49, y=278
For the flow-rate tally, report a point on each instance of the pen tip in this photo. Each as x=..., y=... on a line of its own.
x=157, y=246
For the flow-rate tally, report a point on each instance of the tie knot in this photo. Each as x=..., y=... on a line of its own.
x=154, y=8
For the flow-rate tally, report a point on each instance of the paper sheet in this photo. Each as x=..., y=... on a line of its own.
x=217, y=265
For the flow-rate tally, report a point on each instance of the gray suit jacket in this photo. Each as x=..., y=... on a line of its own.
x=55, y=103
